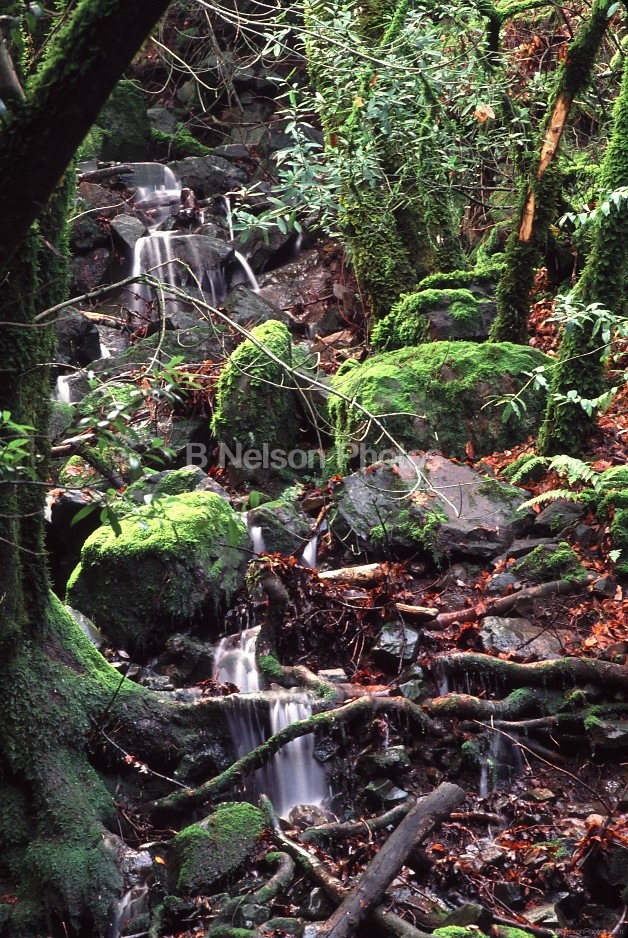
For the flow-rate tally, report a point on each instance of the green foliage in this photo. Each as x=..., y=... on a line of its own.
x=178, y=145
x=408, y=322
x=15, y=448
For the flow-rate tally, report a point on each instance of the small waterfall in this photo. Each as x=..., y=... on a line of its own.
x=249, y=276
x=309, y=555
x=134, y=902
x=226, y=201
x=293, y=776
x=104, y=351
x=255, y=533
x=61, y=392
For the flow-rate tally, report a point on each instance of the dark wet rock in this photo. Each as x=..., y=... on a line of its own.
x=606, y=587
x=90, y=195
x=64, y=538
x=396, y=645
x=468, y=914
x=61, y=417
x=385, y=792
x=317, y=906
x=204, y=854
x=87, y=233
x=500, y=582
x=285, y=529
x=247, y=308
x=208, y=175
x=509, y=894
x=89, y=270
x=78, y=339
x=333, y=675
x=162, y=119
x=557, y=516
x=127, y=230
x=389, y=507
x=187, y=660
x=304, y=285
x=125, y=125
x=391, y=762
x=523, y=546
x=483, y=854
x=237, y=152
x=550, y=562
x=608, y=734
x=414, y=690
x=521, y=639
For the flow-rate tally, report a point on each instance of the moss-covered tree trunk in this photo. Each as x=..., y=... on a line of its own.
x=396, y=239
x=539, y=200
x=54, y=686
x=567, y=425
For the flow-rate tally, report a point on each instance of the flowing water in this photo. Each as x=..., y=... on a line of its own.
x=293, y=776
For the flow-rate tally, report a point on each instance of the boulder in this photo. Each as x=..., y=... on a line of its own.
x=424, y=502
x=78, y=339
x=125, y=125
x=247, y=308
x=550, y=562
x=89, y=270
x=521, y=639
x=208, y=175
x=205, y=854
x=442, y=395
x=172, y=562
x=396, y=645
x=284, y=529
x=127, y=230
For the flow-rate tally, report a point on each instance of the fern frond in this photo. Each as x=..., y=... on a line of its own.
x=575, y=470
x=552, y=496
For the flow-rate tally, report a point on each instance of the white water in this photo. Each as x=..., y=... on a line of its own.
x=310, y=553
x=257, y=538
x=293, y=776
x=251, y=279
x=134, y=902
x=62, y=390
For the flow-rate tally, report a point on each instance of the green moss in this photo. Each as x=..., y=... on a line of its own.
x=505, y=931
x=76, y=472
x=488, y=272
x=214, y=849
x=406, y=527
x=456, y=931
x=125, y=126
x=176, y=146
x=270, y=667
x=548, y=563
x=619, y=534
x=436, y=394
x=170, y=563
x=408, y=321
x=254, y=404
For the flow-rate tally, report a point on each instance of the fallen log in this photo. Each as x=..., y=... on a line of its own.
x=364, y=575
x=333, y=888
x=381, y=871
x=342, y=829
x=97, y=175
x=422, y=613
x=505, y=603
x=466, y=706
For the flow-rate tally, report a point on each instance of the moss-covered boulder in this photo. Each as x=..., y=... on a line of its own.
x=285, y=530
x=255, y=404
x=432, y=315
x=173, y=562
x=122, y=130
x=208, y=853
x=551, y=562
x=429, y=505
x=444, y=395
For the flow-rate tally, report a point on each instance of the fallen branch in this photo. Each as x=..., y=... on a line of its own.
x=279, y=881
x=364, y=575
x=468, y=707
x=505, y=603
x=422, y=613
x=97, y=175
x=342, y=829
x=361, y=708
x=388, y=861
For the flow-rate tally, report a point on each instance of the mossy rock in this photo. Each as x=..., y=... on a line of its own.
x=439, y=396
x=550, y=562
x=177, y=145
x=123, y=130
x=255, y=406
x=210, y=852
x=173, y=561
x=457, y=931
x=173, y=482
x=432, y=315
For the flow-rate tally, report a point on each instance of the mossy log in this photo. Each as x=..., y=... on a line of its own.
x=465, y=706
x=363, y=708
x=343, y=829
x=562, y=672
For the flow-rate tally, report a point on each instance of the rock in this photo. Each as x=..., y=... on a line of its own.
x=128, y=229
x=173, y=482
x=284, y=529
x=208, y=175
x=204, y=854
x=550, y=562
x=316, y=906
x=390, y=762
x=78, y=339
x=383, y=508
x=484, y=854
x=171, y=565
x=298, y=285
x=255, y=419
x=440, y=395
x=384, y=791
x=61, y=417
x=500, y=582
x=88, y=271
x=333, y=675
x=247, y=308
x=608, y=734
x=125, y=125
x=87, y=627
x=540, y=795
x=509, y=894
x=87, y=233
x=605, y=587
x=523, y=546
x=396, y=644
x=557, y=516
x=521, y=639
x=414, y=690
x=162, y=119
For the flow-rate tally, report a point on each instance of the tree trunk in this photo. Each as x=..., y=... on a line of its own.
x=539, y=200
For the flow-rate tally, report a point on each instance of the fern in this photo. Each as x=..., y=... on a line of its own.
x=574, y=470
x=524, y=467
x=553, y=496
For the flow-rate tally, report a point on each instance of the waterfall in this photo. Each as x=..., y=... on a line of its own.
x=293, y=776
x=249, y=276
x=134, y=902
x=61, y=392
x=309, y=555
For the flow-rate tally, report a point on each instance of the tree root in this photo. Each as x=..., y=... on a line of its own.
x=362, y=707
x=465, y=706
x=280, y=880
x=559, y=672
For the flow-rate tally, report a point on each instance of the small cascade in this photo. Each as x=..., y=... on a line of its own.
x=132, y=904
x=226, y=201
x=309, y=555
x=157, y=192
x=246, y=272
x=104, y=351
x=503, y=762
x=257, y=538
x=293, y=776
x=61, y=392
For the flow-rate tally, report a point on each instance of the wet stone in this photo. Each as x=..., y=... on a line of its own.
x=384, y=791
x=521, y=638
x=483, y=854
x=396, y=643
x=393, y=761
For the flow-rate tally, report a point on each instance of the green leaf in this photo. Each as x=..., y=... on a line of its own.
x=84, y=513
x=234, y=533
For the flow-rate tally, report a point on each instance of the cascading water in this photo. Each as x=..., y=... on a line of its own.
x=293, y=776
